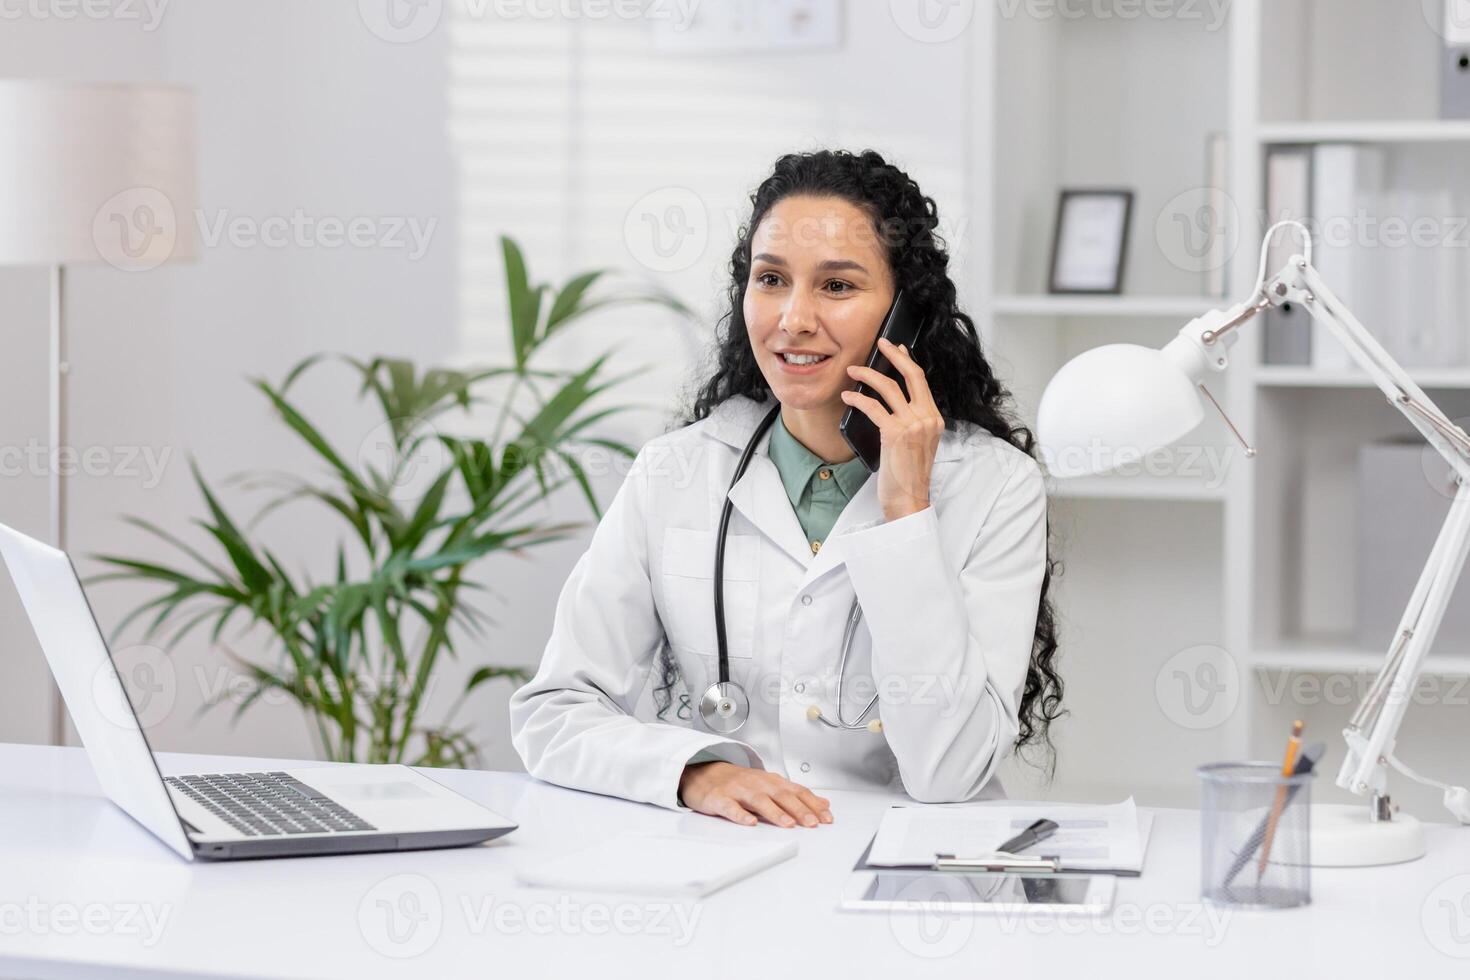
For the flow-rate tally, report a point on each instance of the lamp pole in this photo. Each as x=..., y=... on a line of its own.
x=59, y=369
x=82, y=165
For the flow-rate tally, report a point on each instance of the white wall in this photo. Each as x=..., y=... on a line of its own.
x=300, y=107
x=635, y=122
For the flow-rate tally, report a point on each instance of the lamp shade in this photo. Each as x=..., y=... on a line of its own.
x=96, y=172
x=1112, y=406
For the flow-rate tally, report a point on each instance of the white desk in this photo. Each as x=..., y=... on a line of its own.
x=78, y=880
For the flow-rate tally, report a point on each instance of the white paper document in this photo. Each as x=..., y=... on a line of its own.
x=1094, y=838
x=657, y=864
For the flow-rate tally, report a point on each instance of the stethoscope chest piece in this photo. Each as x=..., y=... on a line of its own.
x=724, y=707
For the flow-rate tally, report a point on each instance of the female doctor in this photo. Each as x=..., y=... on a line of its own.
x=882, y=631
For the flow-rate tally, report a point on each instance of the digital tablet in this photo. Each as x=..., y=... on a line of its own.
x=921, y=891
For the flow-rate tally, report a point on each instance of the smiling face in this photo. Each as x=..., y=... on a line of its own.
x=818, y=291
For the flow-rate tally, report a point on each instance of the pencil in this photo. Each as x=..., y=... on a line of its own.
x=1293, y=745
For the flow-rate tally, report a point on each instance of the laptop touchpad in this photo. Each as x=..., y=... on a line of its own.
x=379, y=791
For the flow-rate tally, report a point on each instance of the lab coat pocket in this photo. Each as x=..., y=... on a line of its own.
x=688, y=611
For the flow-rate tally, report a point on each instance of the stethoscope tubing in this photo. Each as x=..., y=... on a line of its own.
x=725, y=512
x=854, y=615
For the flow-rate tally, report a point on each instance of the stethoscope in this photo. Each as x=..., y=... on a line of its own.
x=725, y=706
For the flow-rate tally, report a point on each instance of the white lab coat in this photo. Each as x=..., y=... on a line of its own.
x=949, y=598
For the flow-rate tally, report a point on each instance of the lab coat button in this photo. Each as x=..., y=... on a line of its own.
x=806, y=767
x=806, y=600
x=798, y=687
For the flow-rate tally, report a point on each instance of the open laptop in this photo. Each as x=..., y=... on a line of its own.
x=231, y=815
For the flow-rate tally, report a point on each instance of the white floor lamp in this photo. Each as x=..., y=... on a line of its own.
x=91, y=173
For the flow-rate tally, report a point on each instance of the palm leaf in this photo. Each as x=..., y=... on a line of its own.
x=358, y=650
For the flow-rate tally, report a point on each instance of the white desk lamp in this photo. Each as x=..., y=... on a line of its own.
x=1116, y=404
x=91, y=173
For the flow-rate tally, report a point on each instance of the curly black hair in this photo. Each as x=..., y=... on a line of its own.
x=962, y=381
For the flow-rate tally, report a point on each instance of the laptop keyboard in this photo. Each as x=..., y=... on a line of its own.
x=264, y=804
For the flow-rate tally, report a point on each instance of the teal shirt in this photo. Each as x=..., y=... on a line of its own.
x=818, y=491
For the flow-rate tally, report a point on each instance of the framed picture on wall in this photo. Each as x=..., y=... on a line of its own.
x=1090, y=244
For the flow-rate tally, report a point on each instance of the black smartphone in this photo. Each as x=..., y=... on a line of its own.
x=902, y=326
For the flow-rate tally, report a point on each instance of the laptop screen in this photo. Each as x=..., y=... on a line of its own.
x=87, y=675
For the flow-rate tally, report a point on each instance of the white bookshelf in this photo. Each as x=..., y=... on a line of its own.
x=1266, y=569
x=1290, y=376
x=1294, y=581
x=1176, y=489
x=1347, y=655
x=1183, y=308
x=1389, y=132
x=1143, y=556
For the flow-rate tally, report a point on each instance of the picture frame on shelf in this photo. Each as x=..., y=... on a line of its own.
x=1089, y=249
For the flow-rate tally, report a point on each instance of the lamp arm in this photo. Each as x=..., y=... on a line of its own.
x=1305, y=285
x=1371, y=734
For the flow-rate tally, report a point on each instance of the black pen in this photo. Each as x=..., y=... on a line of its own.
x=1039, y=831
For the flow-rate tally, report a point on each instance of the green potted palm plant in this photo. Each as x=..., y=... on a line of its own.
x=357, y=644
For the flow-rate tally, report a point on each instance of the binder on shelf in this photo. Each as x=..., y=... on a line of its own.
x=1287, y=332
x=1217, y=265
x=1404, y=494
x=1345, y=178
x=1418, y=315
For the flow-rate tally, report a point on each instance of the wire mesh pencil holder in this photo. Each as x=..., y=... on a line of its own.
x=1255, y=836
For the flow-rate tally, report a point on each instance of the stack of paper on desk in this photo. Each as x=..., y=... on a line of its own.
x=1089, y=838
x=658, y=864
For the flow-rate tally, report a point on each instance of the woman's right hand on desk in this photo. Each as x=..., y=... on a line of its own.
x=742, y=794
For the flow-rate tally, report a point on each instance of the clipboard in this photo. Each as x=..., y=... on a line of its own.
x=994, y=863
